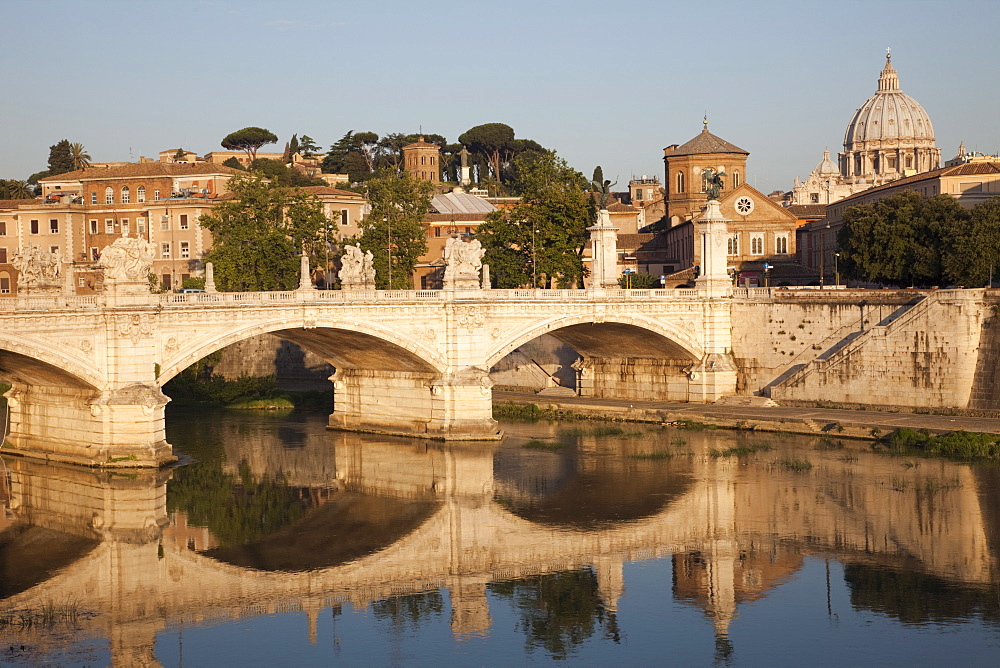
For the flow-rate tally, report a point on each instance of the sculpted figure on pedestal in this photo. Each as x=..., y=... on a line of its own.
x=36, y=267
x=463, y=259
x=356, y=269
x=128, y=259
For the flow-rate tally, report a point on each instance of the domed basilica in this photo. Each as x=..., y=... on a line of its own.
x=890, y=136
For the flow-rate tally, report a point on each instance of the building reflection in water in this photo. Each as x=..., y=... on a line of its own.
x=312, y=519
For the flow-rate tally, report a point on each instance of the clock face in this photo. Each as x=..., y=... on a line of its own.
x=743, y=206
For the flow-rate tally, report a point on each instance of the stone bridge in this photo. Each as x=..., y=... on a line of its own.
x=135, y=567
x=87, y=372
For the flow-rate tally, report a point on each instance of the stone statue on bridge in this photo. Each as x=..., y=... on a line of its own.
x=37, y=270
x=357, y=270
x=127, y=264
x=463, y=260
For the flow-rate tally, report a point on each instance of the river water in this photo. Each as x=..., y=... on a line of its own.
x=277, y=542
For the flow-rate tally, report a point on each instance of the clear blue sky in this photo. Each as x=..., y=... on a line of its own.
x=607, y=83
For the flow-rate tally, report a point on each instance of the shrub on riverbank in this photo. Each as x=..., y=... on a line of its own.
x=956, y=445
x=189, y=390
x=243, y=393
x=3, y=388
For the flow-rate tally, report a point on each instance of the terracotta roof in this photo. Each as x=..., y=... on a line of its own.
x=682, y=275
x=420, y=143
x=808, y=210
x=968, y=169
x=643, y=242
x=706, y=142
x=618, y=207
x=327, y=190
x=143, y=169
x=14, y=203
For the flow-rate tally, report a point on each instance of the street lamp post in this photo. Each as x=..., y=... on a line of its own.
x=836, y=268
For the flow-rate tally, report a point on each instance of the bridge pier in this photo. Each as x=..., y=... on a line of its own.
x=452, y=407
x=120, y=428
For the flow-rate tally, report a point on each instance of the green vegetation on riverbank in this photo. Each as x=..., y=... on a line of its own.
x=3, y=388
x=954, y=445
x=197, y=386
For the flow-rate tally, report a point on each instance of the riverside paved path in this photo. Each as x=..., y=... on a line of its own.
x=786, y=418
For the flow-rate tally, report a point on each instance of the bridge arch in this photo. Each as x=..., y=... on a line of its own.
x=358, y=344
x=28, y=362
x=647, y=337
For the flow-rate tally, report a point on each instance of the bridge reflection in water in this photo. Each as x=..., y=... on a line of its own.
x=283, y=515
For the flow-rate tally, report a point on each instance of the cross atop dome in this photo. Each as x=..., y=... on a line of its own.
x=888, y=80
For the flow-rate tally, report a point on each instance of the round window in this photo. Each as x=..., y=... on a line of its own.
x=744, y=205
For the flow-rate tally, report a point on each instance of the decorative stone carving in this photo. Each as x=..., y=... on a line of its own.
x=37, y=270
x=357, y=270
x=463, y=260
x=134, y=326
x=127, y=264
x=470, y=317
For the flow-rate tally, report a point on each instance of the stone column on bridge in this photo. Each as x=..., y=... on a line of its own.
x=604, y=252
x=305, y=278
x=714, y=375
x=713, y=280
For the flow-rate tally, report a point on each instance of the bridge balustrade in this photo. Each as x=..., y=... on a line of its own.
x=72, y=302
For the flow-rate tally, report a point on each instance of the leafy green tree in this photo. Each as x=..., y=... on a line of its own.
x=367, y=144
x=973, y=257
x=639, y=281
x=60, y=157
x=234, y=163
x=541, y=240
x=259, y=234
x=355, y=154
x=283, y=175
x=394, y=229
x=293, y=147
x=248, y=140
x=15, y=189
x=494, y=141
x=900, y=239
x=79, y=155
x=307, y=146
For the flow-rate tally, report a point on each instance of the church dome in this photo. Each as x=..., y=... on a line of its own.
x=889, y=115
x=826, y=166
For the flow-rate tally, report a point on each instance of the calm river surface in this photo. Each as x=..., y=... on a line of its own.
x=280, y=543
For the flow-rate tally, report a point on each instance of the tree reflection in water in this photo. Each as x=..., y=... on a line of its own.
x=410, y=610
x=913, y=597
x=237, y=509
x=558, y=611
